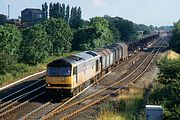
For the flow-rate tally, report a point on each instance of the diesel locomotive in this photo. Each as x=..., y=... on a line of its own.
x=72, y=74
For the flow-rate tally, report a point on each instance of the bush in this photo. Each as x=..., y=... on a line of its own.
x=7, y=62
x=166, y=92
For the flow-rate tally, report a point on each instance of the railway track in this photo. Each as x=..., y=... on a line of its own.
x=61, y=109
x=20, y=92
x=17, y=102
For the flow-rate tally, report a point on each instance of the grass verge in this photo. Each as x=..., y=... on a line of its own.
x=22, y=70
x=126, y=106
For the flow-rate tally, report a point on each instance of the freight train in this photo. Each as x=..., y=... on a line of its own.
x=72, y=74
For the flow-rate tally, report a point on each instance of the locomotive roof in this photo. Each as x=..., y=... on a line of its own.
x=87, y=55
x=75, y=59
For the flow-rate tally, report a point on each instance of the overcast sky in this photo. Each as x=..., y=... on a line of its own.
x=149, y=12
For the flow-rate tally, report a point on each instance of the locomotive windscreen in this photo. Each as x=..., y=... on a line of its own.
x=59, y=68
x=59, y=71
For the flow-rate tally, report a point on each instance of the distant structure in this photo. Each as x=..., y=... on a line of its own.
x=8, y=11
x=32, y=16
x=3, y=19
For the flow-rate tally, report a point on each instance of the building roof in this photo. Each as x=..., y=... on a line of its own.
x=32, y=9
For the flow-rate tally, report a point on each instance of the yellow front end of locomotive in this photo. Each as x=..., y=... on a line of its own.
x=58, y=82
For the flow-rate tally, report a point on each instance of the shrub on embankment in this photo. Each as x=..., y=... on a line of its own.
x=166, y=90
x=125, y=106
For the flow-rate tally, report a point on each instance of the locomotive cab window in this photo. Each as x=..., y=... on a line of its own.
x=64, y=71
x=52, y=71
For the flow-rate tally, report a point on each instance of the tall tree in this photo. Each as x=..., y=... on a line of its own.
x=35, y=45
x=63, y=11
x=45, y=9
x=50, y=10
x=67, y=13
x=56, y=10
x=175, y=42
x=75, y=19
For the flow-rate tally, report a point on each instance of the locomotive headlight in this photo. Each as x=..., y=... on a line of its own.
x=48, y=85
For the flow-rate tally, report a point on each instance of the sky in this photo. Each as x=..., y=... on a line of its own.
x=148, y=12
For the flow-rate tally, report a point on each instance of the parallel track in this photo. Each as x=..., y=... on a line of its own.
x=14, y=104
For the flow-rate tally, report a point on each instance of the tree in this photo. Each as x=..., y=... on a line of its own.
x=45, y=9
x=67, y=14
x=175, y=42
x=60, y=34
x=75, y=18
x=141, y=27
x=10, y=38
x=94, y=35
x=126, y=28
x=50, y=10
x=7, y=62
x=35, y=45
x=3, y=19
x=116, y=34
x=166, y=93
x=63, y=11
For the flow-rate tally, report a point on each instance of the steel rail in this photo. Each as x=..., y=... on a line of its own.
x=1, y=100
x=13, y=106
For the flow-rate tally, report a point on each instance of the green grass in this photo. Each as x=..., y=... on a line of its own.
x=22, y=70
x=123, y=107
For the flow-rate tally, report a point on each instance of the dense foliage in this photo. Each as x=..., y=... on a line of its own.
x=167, y=92
x=93, y=35
x=175, y=42
x=59, y=34
x=140, y=27
x=10, y=38
x=35, y=45
x=115, y=32
x=126, y=28
x=7, y=62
